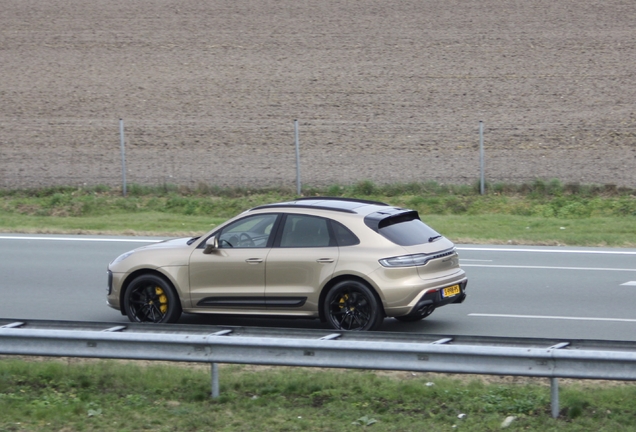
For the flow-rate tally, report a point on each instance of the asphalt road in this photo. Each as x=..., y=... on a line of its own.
x=551, y=292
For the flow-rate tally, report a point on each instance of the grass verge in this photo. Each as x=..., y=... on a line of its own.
x=546, y=213
x=116, y=396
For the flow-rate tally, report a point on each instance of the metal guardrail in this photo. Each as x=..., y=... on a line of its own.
x=582, y=359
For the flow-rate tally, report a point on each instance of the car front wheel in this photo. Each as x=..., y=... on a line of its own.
x=351, y=305
x=150, y=298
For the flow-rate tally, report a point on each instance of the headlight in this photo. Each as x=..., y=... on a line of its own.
x=414, y=260
x=122, y=257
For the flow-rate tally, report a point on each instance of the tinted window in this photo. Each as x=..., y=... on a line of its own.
x=305, y=231
x=344, y=237
x=251, y=231
x=408, y=232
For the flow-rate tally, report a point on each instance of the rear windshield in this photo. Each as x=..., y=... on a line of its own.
x=407, y=230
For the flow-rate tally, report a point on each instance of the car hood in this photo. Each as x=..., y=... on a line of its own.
x=174, y=252
x=168, y=244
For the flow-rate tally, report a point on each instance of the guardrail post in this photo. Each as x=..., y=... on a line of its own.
x=215, y=380
x=554, y=396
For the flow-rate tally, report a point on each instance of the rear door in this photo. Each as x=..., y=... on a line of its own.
x=302, y=260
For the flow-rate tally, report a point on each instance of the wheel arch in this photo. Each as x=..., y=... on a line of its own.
x=142, y=272
x=340, y=278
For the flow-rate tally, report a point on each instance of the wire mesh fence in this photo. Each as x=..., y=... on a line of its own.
x=261, y=152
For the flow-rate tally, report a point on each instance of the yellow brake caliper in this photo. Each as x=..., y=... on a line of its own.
x=343, y=301
x=163, y=300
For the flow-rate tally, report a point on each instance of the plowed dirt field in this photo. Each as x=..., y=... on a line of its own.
x=388, y=91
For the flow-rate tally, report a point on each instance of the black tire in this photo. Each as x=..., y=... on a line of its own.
x=150, y=298
x=351, y=305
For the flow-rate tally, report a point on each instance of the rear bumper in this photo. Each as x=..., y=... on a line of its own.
x=434, y=299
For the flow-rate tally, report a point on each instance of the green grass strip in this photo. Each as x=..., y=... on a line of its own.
x=89, y=395
x=545, y=213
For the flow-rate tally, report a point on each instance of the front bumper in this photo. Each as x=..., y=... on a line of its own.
x=112, y=298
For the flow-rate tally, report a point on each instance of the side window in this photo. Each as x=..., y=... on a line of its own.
x=249, y=232
x=305, y=231
x=344, y=237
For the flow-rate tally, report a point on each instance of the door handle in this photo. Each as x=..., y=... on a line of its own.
x=254, y=260
x=325, y=260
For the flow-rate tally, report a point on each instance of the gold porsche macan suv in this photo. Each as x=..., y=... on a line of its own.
x=349, y=262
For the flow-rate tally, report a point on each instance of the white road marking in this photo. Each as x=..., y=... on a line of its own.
x=551, y=317
x=549, y=268
x=630, y=283
x=85, y=239
x=482, y=249
x=572, y=251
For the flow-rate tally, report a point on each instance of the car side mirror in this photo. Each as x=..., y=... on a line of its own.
x=211, y=245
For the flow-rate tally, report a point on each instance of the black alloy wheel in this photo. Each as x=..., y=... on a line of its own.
x=351, y=305
x=150, y=298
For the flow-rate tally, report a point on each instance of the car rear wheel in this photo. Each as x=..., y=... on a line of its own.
x=351, y=305
x=150, y=298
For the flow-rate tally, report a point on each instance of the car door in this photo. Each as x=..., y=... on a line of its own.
x=303, y=258
x=232, y=277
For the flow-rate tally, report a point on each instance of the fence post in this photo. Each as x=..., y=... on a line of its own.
x=123, y=155
x=298, y=188
x=481, y=157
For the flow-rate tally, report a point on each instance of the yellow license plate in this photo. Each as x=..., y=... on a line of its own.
x=451, y=291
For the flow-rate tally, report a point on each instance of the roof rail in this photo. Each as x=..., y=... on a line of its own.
x=307, y=206
x=327, y=198
x=300, y=203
